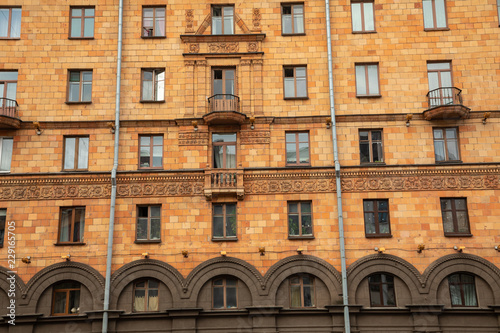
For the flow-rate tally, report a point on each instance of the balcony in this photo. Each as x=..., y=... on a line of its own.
x=9, y=114
x=446, y=103
x=224, y=109
x=224, y=182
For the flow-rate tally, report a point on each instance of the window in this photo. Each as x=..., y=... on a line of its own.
x=66, y=298
x=146, y=295
x=367, y=80
x=434, y=14
x=446, y=144
x=76, y=153
x=224, y=293
x=148, y=223
x=223, y=89
x=80, y=86
x=295, y=81
x=6, y=145
x=8, y=88
x=224, y=221
x=302, y=291
x=222, y=20
x=82, y=22
x=292, y=19
x=72, y=225
x=300, y=219
x=3, y=216
x=297, y=148
x=462, y=290
x=224, y=145
x=150, y=151
x=10, y=23
x=455, y=216
x=153, y=22
x=363, y=19
x=370, y=146
x=440, y=83
x=382, y=290
x=377, y=218
x=153, y=85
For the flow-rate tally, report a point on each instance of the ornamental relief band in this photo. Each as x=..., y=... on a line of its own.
x=193, y=185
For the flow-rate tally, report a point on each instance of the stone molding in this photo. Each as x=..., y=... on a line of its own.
x=255, y=137
x=193, y=139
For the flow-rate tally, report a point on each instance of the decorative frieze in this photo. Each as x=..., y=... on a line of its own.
x=194, y=48
x=223, y=47
x=189, y=21
x=256, y=17
x=255, y=137
x=253, y=47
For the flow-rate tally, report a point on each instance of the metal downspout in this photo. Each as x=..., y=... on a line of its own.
x=113, y=172
x=347, y=324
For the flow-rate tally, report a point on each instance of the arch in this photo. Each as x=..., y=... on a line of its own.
x=461, y=262
x=384, y=263
x=223, y=266
x=303, y=264
x=84, y=274
x=145, y=268
x=5, y=285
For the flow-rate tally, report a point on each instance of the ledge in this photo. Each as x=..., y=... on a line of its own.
x=224, y=117
x=9, y=122
x=222, y=38
x=447, y=112
x=70, y=244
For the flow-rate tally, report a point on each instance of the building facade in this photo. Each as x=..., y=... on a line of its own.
x=226, y=216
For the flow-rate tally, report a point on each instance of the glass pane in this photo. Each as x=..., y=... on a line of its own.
x=147, y=12
x=89, y=11
x=438, y=134
x=66, y=217
x=74, y=301
x=74, y=92
x=448, y=222
x=293, y=208
x=306, y=225
x=11, y=91
x=383, y=224
x=4, y=22
x=160, y=27
x=291, y=153
x=231, y=157
x=301, y=87
x=463, y=222
x=363, y=135
x=230, y=226
x=290, y=137
x=60, y=302
x=143, y=211
x=364, y=150
x=300, y=72
x=295, y=296
x=440, y=14
x=160, y=86
x=216, y=25
x=304, y=152
x=218, y=226
x=388, y=293
x=376, y=135
x=305, y=207
x=460, y=204
x=428, y=15
x=286, y=22
x=456, y=298
x=298, y=20
x=445, y=204
x=142, y=228
x=368, y=205
x=218, y=209
x=157, y=140
x=87, y=92
x=375, y=295
x=83, y=153
x=433, y=80
x=155, y=211
x=446, y=81
x=455, y=278
x=373, y=79
x=144, y=157
x=377, y=152
x=155, y=229
x=7, y=145
x=470, y=294
x=219, y=282
x=439, y=150
x=69, y=153
x=304, y=137
x=230, y=209
x=383, y=205
x=289, y=87
x=356, y=17
x=157, y=156
x=88, y=27
x=308, y=296
x=218, y=297
x=231, y=297
x=141, y=284
x=15, y=24
x=360, y=80
x=451, y=133
x=76, y=27
x=289, y=72
x=140, y=300
x=452, y=147
x=228, y=25
x=293, y=225
x=370, y=223
x=79, y=226
x=153, y=284
x=229, y=87
x=438, y=65
x=369, y=21
x=152, y=300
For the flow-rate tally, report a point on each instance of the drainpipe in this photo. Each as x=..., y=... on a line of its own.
x=113, y=172
x=347, y=324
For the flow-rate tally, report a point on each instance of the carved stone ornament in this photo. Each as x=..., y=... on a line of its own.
x=193, y=139
x=189, y=20
x=255, y=137
x=194, y=48
x=256, y=16
x=253, y=47
x=189, y=63
x=223, y=47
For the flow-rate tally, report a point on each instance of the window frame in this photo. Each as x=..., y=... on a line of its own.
x=454, y=211
x=446, y=140
x=68, y=292
x=154, y=21
x=462, y=292
x=3, y=222
x=300, y=214
x=301, y=284
x=2, y=153
x=6, y=84
x=224, y=288
x=297, y=150
x=224, y=151
x=367, y=80
x=80, y=86
x=434, y=16
x=292, y=16
x=72, y=226
x=77, y=150
x=224, y=237
x=224, y=80
x=155, y=83
x=151, y=156
x=82, y=17
x=146, y=293
x=376, y=211
x=370, y=142
x=222, y=6
x=380, y=284
x=294, y=67
x=149, y=218
x=9, y=22
x=362, y=18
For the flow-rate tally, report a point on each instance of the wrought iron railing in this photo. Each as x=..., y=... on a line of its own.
x=223, y=102
x=8, y=107
x=444, y=96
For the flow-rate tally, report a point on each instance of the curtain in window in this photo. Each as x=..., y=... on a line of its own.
x=153, y=300
x=139, y=302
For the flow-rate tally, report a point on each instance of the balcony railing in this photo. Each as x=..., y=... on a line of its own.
x=224, y=182
x=444, y=96
x=8, y=107
x=223, y=102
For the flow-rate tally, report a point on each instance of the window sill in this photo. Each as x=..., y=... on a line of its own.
x=298, y=165
x=457, y=235
x=371, y=163
x=70, y=244
x=300, y=237
x=147, y=241
x=150, y=168
x=6, y=38
x=364, y=32
x=436, y=29
x=78, y=102
x=153, y=37
x=368, y=96
x=295, y=98
x=151, y=102
x=292, y=34
x=449, y=162
x=81, y=38
x=224, y=239
x=75, y=170
x=378, y=236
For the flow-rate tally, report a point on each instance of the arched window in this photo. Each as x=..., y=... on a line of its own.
x=224, y=293
x=302, y=291
x=66, y=298
x=146, y=295
x=382, y=290
x=462, y=290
